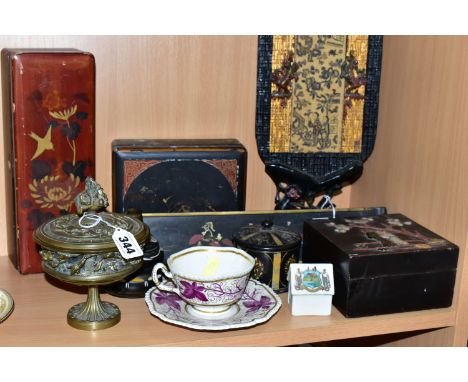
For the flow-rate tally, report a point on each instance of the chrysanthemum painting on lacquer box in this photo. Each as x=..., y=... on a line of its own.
x=49, y=114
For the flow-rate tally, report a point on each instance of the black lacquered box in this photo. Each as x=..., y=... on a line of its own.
x=179, y=175
x=383, y=264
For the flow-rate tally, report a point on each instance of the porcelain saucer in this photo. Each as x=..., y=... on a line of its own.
x=258, y=304
x=6, y=304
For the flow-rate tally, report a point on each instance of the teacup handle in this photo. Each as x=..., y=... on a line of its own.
x=163, y=268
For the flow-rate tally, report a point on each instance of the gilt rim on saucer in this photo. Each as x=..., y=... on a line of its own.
x=6, y=305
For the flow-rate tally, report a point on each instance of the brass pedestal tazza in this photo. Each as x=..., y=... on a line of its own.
x=80, y=251
x=94, y=314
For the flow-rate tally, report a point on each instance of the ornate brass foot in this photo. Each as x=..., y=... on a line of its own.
x=93, y=314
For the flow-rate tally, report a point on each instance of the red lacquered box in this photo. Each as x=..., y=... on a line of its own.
x=49, y=138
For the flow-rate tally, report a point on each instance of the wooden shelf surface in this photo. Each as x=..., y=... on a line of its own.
x=41, y=305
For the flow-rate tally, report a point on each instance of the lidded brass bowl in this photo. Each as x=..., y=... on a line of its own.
x=87, y=255
x=80, y=250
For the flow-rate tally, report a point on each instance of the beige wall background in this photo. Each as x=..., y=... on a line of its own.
x=168, y=87
x=420, y=162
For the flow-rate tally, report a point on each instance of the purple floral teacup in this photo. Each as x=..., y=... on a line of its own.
x=210, y=279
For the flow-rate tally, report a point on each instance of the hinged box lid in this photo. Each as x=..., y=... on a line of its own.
x=176, y=144
x=311, y=279
x=376, y=246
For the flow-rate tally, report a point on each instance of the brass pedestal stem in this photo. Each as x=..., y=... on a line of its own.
x=94, y=314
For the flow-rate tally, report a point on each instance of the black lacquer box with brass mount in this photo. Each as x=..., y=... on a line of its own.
x=80, y=250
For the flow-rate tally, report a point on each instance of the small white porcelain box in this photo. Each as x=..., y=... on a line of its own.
x=311, y=289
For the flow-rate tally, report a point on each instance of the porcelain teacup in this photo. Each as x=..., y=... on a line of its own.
x=210, y=279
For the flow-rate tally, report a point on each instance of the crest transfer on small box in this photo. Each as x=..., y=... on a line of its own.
x=311, y=288
x=312, y=280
